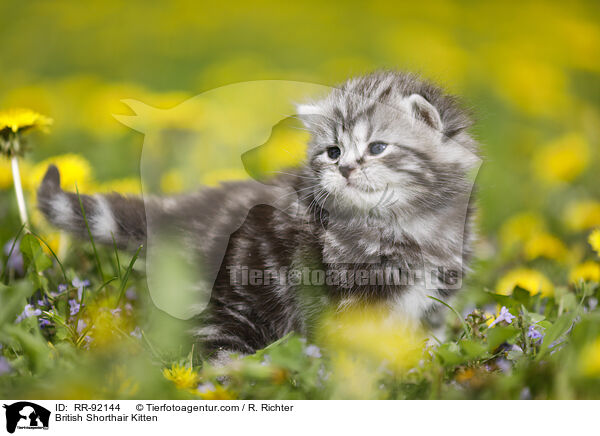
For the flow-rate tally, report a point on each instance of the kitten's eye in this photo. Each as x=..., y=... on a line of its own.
x=377, y=147
x=333, y=152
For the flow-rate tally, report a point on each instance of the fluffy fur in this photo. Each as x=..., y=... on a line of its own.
x=362, y=212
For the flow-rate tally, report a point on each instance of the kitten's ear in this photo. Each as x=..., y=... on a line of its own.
x=308, y=109
x=419, y=108
x=311, y=114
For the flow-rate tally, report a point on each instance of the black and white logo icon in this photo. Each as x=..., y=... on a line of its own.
x=26, y=415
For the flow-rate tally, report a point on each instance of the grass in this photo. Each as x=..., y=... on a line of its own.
x=150, y=355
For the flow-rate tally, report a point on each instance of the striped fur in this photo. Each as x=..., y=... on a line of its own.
x=408, y=208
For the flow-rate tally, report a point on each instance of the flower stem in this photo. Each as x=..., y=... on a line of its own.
x=19, y=189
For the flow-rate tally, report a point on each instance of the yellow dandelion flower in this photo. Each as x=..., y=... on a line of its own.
x=13, y=122
x=73, y=169
x=285, y=148
x=589, y=360
x=184, y=377
x=588, y=272
x=594, y=240
x=563, y=160
x=172, y=182
x=370, y=334
x=521, y=227
x=583, y=215
x=544, y=245
x=217, y=392
x=489, y=318
x=280, y=376
x=354, y=376
x=535, y=87
x=464, y=375
x=20, y=119
x=529, y=279
x=106, y=326
x=53, y=240
x=215, y=177
x=127, y=185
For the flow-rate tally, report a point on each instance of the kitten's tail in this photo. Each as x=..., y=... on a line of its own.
x=108, y=216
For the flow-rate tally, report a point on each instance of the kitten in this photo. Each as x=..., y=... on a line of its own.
x=384, y=211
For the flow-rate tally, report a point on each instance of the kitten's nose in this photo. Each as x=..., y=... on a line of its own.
x=346, y=170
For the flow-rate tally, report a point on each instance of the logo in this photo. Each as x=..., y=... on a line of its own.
x=26, y=415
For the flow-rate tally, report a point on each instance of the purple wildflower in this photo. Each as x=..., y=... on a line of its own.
x=130, y=294
x=80, y=284
x=15, y=261
x=312, y=351
x=504, y=315
x=533, y=334
x=88, y=340
x=62, y=288
x=504, y=365
x=28, y=311
x=75, y=306
x=203, y=388
x=5, y=367
x=516, y=348
x=81, y=324
x=137, y=333
x=525, y=394
x=44, y=322
x=323, y=373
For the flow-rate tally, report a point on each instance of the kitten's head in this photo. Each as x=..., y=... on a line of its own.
x=388, y=143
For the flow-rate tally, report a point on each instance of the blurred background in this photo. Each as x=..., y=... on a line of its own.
x=530, y=72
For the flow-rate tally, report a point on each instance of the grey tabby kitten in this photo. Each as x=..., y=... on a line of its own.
x=383, y=216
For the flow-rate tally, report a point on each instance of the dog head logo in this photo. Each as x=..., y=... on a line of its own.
x=213, y=137
x=26, y=415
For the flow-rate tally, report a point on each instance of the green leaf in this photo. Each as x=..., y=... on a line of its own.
x=12, y=300
x=569, y=302
x=450, y=354
x=62, y=268
x=505, y=300
x=560, y=327
x=472, y=349
x=545, y=324
x=499, y=335
x=36, y=260
x=522, y=296
x=32, y=251
x=536, y=317
x=514, y=355
x=287, y=354
x=33, y=344
x=273, y=345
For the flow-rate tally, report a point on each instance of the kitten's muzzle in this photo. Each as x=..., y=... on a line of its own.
x=346, y=170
